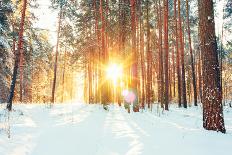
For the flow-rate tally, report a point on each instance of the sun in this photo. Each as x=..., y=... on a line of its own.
x=114, y=72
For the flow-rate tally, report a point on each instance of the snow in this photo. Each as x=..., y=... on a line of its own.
x=74, y=129
x=4, y=42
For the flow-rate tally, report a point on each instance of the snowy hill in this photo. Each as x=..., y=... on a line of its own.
x=80, y=129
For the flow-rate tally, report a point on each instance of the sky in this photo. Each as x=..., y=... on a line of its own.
x=47, y=19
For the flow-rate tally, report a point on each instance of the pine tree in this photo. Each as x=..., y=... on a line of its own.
x=17, y=58
x=212, y=95
x=166, y=56
x=191, y=56
x=134, y=82
x=181, y=40
x=56, y=57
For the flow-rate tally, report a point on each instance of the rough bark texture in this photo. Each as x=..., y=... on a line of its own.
x=166, y=51
x=161, y=76
x=212, y=95
x=20, y=46
x=134, y=53
x=183, y=86
x=103, y=55
x=141, y=37
x=177, y=57
x=98, y=53
x=200, y=76
x=21, y=75
x=191, y=57
x=149, y=59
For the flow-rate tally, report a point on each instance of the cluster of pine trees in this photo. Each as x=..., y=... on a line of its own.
x=169, y=49
x=23, y=48
x=27, y=57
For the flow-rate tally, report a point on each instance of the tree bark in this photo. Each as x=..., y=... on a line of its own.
x=191, y=56
x=177, y=56
x=212, y=95
x=134, y=82
x=200, y=76
x=149, y=58
x=98, y=54
x=63, y=76
x=161, y=75
x=104, y=86
x=20, y=46
x=142, y=60
x=56, y=57
x=182, y=58
x=166, y=51
x=21, y=75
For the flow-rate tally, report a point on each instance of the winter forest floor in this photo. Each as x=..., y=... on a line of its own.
x=80, y=129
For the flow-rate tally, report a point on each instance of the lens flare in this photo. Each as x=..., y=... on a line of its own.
x=129, y=96
x=125, y=93
x=114, y=72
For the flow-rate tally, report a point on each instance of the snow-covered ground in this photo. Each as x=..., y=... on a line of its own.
x=80, y=129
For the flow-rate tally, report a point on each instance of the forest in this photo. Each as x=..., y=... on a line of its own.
x=141, y=73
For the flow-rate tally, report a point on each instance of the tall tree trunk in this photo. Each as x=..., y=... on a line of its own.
x=104, y=86
x=182, y=57
x=142, y=55
x=173, y=70
x=166, y=51
x=191, y=56
x=177, y=56
x=158, y=47
x=161, y=75
x=14, y=40
x=221, y=51
x=98, y=54
x=149, y=58
x=90, y=75
x=134, y=81
x=170, y=76
x=63, y=76
x=56, y=57
x=85, y=84
x=212, y=95
x=32, y=73
x=21, y=75
x=20, y=46
x=199, y=70
x=119, y=54
x=106, y=25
